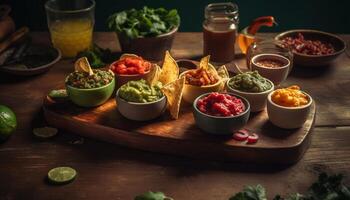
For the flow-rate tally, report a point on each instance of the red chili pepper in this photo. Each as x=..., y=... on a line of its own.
x=241, y=135
x=252, y=138
x=260, y=21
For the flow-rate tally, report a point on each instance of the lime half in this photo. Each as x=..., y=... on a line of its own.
x=62, y=93
x=45, y=132
x=60, y=175
x=8, y=122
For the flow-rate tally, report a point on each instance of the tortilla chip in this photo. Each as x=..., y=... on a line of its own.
x=204, y=63
x=82, y=65
x=222, y=72
x=173, y=92
x=125, y=55
x=170, y=70
x=223, y=76
x=153, y=75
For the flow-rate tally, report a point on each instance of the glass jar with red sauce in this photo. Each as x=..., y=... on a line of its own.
x=220, y=31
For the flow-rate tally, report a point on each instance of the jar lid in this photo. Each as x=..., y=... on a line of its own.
x=226, y=10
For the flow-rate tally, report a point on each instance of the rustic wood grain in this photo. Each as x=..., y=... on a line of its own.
x=108, y=171
x=181, y=136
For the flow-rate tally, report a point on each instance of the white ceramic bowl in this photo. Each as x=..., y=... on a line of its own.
x=288, y=117
x=141, y=111
x=276, y=75
x=257, y=100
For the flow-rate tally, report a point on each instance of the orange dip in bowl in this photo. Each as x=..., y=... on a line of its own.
x=290, y=97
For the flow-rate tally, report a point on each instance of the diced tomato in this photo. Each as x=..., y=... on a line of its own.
x=131, y=66
x=218, y=104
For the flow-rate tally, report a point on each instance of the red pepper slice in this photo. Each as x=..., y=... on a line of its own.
x=259, y=22
x=252, y=138
x=241, y=135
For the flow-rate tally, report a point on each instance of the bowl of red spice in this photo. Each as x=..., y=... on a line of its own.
x=312, y=47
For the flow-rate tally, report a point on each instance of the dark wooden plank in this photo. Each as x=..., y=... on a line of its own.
x=181, y=136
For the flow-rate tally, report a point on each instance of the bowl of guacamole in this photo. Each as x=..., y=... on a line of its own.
x=252, y=86
x=90, y=90
x=137, y=100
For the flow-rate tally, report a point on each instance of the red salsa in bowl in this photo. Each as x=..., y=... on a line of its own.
x=221, y=105
x=131, y=65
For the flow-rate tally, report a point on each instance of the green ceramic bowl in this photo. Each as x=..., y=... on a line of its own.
x=90, y=97
x=220, y=125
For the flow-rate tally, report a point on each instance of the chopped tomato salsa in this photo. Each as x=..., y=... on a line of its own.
x=131, y=66
x=221, y=105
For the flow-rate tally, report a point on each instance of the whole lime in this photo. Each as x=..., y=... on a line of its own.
x=8, y=122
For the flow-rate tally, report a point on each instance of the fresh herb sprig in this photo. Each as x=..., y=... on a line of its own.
x=146, y=22
x=325, y=188
x=152, y=196
x=97, y=56
x=257, y=192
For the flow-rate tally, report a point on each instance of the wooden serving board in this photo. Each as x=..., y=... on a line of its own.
x=181, y=137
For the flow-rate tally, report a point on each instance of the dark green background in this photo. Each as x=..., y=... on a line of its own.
x=332, y=16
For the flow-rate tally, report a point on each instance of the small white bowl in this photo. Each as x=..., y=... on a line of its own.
x=257, y=100
x=288, y=117
x=276, y=75
x=141, y=111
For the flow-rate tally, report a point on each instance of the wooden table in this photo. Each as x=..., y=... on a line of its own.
x=108, y=171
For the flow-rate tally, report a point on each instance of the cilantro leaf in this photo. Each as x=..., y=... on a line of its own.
x=146, y=22
x=97, y=56
x=251, y=193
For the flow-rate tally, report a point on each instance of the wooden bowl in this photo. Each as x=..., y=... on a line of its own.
x=150, y=48
x=315, y=60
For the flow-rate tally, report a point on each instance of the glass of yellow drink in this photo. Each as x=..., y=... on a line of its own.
x=71, y=24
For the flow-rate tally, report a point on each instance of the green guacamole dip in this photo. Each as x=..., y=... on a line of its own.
x=84, y=81
x=250, y=82
x=140, y=92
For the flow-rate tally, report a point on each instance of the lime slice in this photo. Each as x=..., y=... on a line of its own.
x=58, y=93
x=60, y=175
x=45, y=132
x=82, y=65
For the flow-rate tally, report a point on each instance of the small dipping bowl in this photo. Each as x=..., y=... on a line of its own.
x=121, y=79
x=288, y=117
x=191, y=92
x=275, y=74
x=257, y=100
x=220, y=125
x=90, y=97
x=141, y=111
